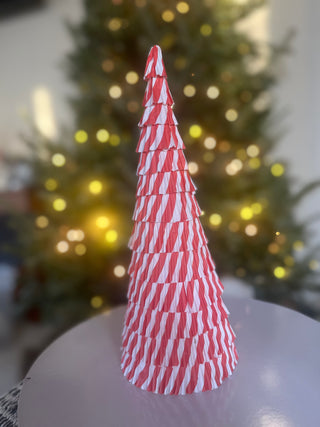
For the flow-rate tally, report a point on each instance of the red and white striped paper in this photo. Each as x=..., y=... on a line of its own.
x=176, y=338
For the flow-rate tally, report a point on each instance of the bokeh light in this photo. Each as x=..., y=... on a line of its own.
x=205, y=30
x=59, y=204
x=80, y=249
x=213, y=92
x=58, y=160
x=215, y=219
x=189, y=91
x=253, y=150
x=209, y=143
x=251, y=230
x=62, y=246
x=42, y=221
x=277, y=169
x=193, y=168
x=195, y=131
x=246, y=213
x=132, y=77
x=231, y=115
x=279, y=272
x=102, y=222
x=102, y=135
x=115, y=91
x=168, y=15
x=95, y=187
x=51, y=184
x=81, y=136
x=96, y=301
x=111, y=236
x=119, y=271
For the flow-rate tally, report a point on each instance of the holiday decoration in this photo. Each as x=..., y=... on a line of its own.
x=177, y=338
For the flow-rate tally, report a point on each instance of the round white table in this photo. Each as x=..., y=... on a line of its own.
x=77, y=381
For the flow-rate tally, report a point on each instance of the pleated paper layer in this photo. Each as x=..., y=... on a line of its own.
x=159, y=137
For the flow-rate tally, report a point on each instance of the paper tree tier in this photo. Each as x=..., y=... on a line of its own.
x=177, y=338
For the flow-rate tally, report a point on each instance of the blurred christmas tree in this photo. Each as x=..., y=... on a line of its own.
x=84, y=186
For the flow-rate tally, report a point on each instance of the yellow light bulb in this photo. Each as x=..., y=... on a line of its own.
x=95, y=187
x=215, y=219
x=193, y=168
x=119, y=271
x=111, y=236
x=51, y=184
x=132, y=77
x=246, y=213
x=96, y=301
x=102, y=222
x=115, y=91
x=42, y=221
x=189, y=91
x=59, y=204
x=279, y=272
x=102, y=135
x=195, y=131
x=58, y=160
x=277, y=169
x=81, y=136
x=314, y=265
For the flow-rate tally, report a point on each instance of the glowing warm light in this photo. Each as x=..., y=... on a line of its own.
x=279, y=272
x=114, y=24
x=167, y=15
x=206, y=30
x=42, y=221
x=95, y=187
x=246, y=213
x=273, y=248
x=189, y=91
x=231, y=115
x=96, y=302
x=58, y=160
x=114, y=140
x=256, y=208
x=298, y=245
x=241, y=154
x=111, y=236
x=234, y=226
x=59, y=204
x=115, y=91
x=254, y=163
x=277, y=169
x=215, y=219
x=133, y=106
x=234, y=166
x=119, y=271
x=209, y=143
x=193, y=168
x=102, y=135
x=208, y=157
x=75, y=235
x=51, y=184
x=251, y=230
x=213, y=92
x=107, y=65
x=314, y=265
x=43, y=112
x=277, y=233
x=62, y=246
x=183, y=7
x=195, y=131
x=289, y=260
x=253, y=150
x=81, y=136
x=224, y=146
x=132, y=77
x=102, y=222
x=80, y=249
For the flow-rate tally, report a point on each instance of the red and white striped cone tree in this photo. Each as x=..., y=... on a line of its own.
x=177, y=338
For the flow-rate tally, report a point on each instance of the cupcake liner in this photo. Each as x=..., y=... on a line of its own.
x=159, y=137
x=161, y=161
x=161, y=237
x=165, y=183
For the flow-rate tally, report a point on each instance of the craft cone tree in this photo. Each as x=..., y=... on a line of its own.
x=177, y=338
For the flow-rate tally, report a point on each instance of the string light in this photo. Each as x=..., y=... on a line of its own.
x=58, y=160
x=59, y=204
x=102, y=135
x=213, y=92
x=289, y=261
x=189, y=91
x=119, y=271
x=277, y=169
x=224, y=146
x=241, y=154
x=210, y=143
x=42, y=221
x=107, y=65
x=167, y=15
x=251, y=230
x=115, y=91
x=62, y=246
x=234, y=167
x=206, y=30
x=102, y=222
x=111, y=236
x=114, y=24
x=215, y=219
x=132, y=77
x=114, y=140
x=51, y=184
x=246, y=213
x=253, y=150
x=95, y=187
x=182, y=7
x=254, y=163
x=75, y=235
x=195, y=131
x=81, y=136
x=298, y=245
x=279, y=272
x=231, y=115
x=80, y=249
x=193, y=168
x=96, y=301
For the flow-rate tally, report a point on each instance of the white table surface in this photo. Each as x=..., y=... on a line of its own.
x=77, y=381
